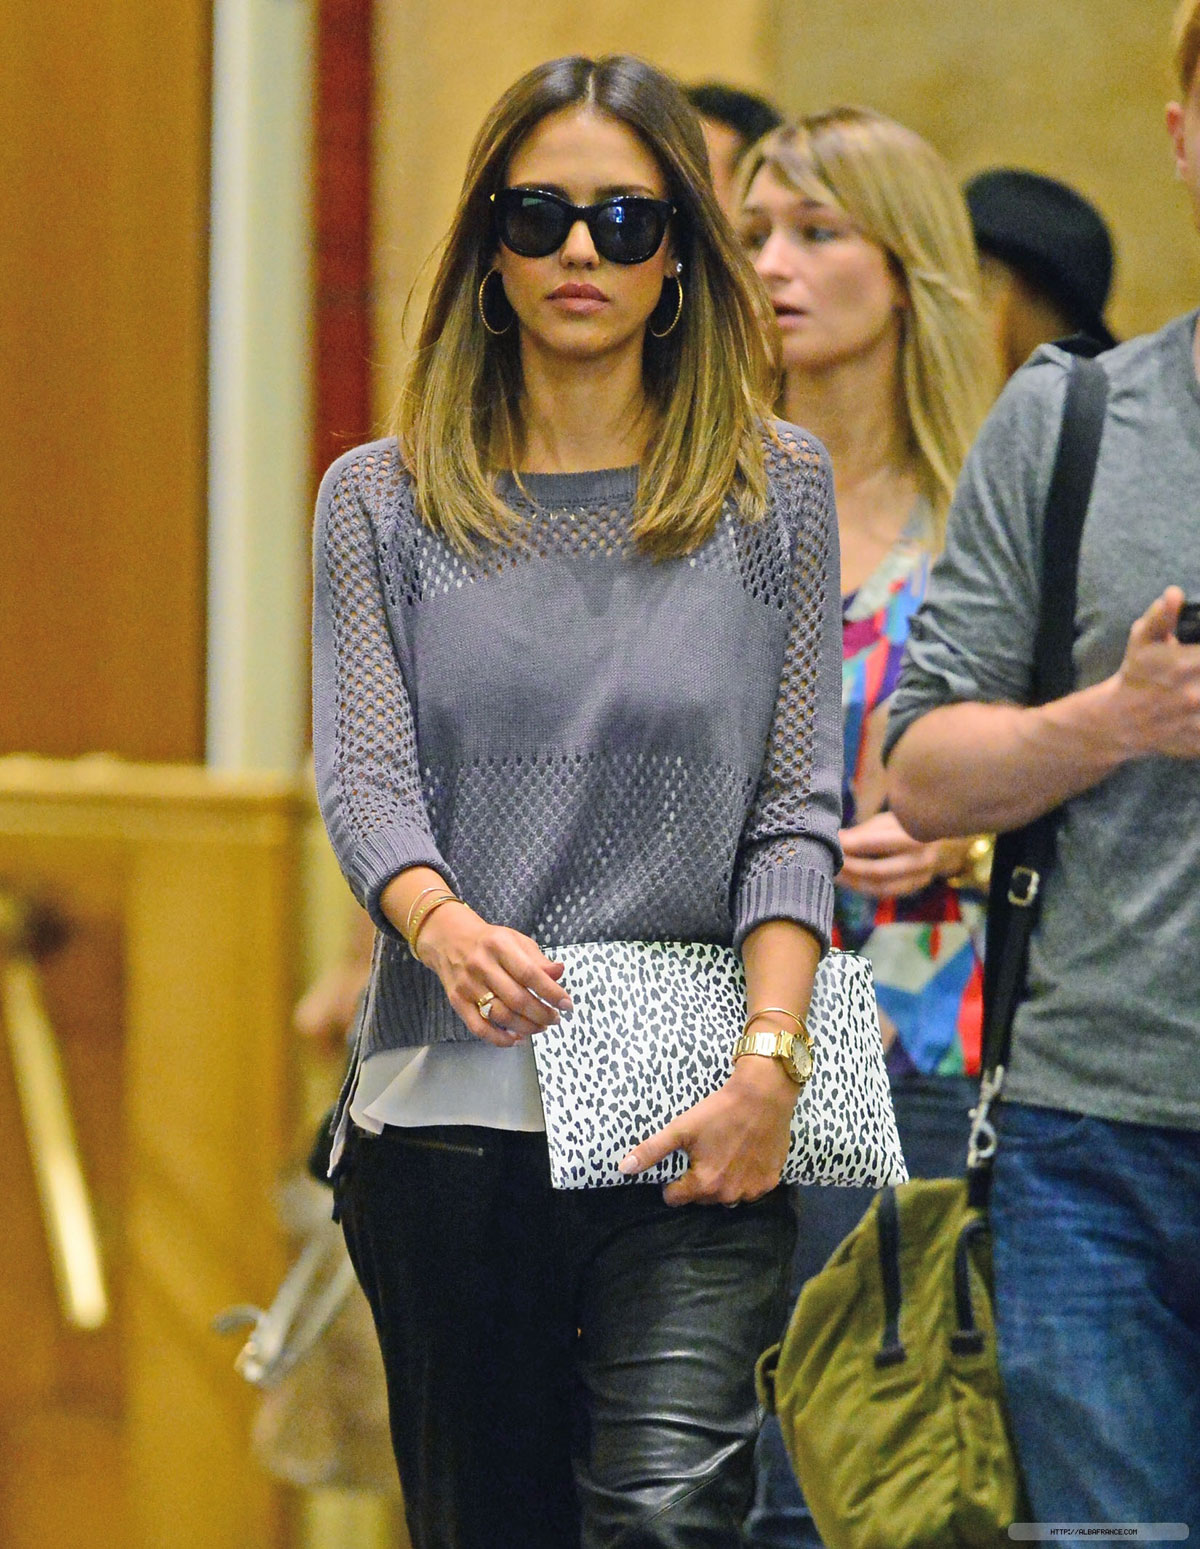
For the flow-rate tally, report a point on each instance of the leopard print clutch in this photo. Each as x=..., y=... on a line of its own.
x=654, y=1025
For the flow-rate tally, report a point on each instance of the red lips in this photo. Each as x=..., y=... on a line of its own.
x=577, y=292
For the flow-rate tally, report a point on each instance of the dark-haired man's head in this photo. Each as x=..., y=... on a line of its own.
x=1047, y=260
x=732, y=120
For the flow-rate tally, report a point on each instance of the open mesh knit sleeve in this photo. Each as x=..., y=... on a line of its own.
x=364, y=740
x=789, y=852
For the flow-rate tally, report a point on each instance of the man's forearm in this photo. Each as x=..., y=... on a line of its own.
x=972, y=767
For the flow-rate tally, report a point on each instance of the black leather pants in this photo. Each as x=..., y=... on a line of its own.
x=570, y=1369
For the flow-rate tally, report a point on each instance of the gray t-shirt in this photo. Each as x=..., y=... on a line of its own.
x=1111, y=1025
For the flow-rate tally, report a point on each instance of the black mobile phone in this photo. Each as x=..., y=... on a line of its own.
x=1187, y=631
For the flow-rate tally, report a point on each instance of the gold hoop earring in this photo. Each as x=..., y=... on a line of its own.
x=678, y=311
x=495, y=332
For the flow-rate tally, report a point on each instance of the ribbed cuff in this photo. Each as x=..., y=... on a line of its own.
x=380, y=857
x=794, y=892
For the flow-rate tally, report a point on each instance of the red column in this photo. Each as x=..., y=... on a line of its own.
x=342, y=332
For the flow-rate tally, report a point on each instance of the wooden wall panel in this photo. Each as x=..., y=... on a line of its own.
x=180, y=888
x=103, y=275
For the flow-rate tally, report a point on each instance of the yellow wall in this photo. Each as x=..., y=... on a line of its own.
x=1074, y=88
x=440, y=64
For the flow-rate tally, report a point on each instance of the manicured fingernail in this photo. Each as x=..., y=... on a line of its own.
x=566, y=1007
x=628, y=1164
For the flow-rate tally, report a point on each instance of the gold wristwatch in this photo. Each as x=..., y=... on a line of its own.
x=792, y=1050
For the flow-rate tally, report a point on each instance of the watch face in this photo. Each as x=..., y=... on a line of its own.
x=801, y=1061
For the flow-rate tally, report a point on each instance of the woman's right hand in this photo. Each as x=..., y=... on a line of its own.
x=474, y=959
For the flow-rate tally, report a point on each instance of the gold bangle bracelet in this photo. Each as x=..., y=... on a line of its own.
x=437, y=887
x=780, y=1011
x=434, y=903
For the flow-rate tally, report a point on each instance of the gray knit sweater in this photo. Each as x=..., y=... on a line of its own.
x=586, y=744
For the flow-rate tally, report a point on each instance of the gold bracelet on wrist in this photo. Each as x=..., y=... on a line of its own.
x=780, y=1011
x=437, y=887
x=434, y=903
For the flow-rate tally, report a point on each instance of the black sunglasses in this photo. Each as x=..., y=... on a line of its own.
x=627, y=229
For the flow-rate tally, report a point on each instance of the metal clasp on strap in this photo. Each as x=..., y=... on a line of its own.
x=981, y=1145
x=1023, y=886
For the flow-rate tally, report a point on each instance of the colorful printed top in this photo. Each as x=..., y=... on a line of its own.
x=925, y=948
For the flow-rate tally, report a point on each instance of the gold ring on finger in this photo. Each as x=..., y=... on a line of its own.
x=485, y=1004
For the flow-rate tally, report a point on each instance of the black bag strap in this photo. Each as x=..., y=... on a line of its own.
x=967, y=1337
x=1023, y=856
x=887, y=1223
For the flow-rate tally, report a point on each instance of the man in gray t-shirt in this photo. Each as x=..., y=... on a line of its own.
x=1096, y=1190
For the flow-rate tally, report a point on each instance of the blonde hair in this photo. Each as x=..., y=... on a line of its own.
x=899, y=193
x=709, y=382
x=1185, y=41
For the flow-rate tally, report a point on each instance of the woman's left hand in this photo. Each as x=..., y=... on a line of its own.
x=736, y=1140
x=883, y=861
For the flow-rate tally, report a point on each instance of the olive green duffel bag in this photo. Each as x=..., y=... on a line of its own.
x=886, y=1383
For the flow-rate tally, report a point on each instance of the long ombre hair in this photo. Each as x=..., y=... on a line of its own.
x=709, y=382
x=898, y=192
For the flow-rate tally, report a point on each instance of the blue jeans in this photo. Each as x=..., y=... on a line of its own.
x=931, y=1115
x=1096, y=1237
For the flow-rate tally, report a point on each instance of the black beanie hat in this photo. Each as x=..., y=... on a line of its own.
x=1051, y=235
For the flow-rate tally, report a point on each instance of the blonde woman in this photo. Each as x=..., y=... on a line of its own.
x=863, y=242
x=576, y=654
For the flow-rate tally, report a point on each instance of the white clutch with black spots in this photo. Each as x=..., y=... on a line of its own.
x=653, y=1031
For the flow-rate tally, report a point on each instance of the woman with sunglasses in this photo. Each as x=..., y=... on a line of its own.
x=575, y=679
x=862, y=238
